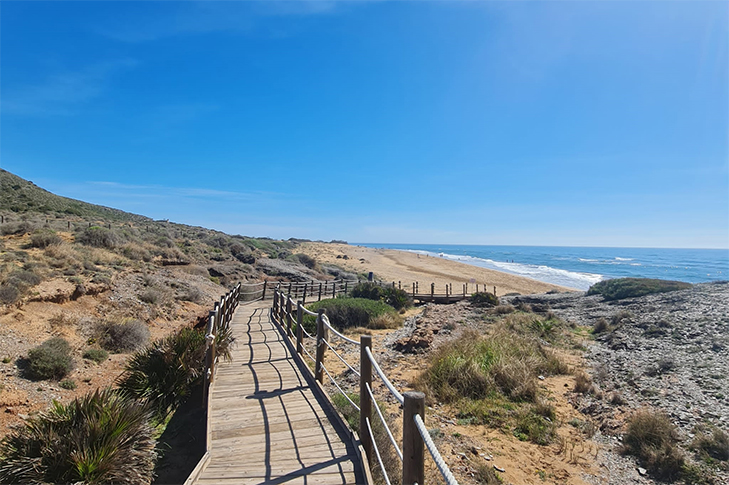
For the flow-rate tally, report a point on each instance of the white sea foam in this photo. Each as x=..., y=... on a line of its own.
x=623, y=259
x=543, y=273
x=587, y=260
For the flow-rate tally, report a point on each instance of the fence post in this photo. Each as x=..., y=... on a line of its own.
x=299, y=328
x=275, y=301
x=288, y=317
x=365, y=402
x=320, y=347
x=413, y=448
x=303, y=299
x=210, y=337
x=319, y=292
x=263, y=296
x=494, y=291
x=334, y=289
x=346, y=284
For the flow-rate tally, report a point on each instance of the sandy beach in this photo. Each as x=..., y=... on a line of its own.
x=405, y=268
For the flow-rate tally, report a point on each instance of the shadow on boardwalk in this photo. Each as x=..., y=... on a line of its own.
x=269, y=424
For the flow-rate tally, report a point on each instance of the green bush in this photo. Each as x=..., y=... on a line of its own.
x=484, y=299
x=163, y=375
x=99, y=438
x=307, y=261
x=348, y=312
x=44, y=238
x=9, y=294
x=653, y=439
x=395, y=297
x=617, y=289
x=97, y=355
x=50, y=360
x=68, y=384
x=123, y=336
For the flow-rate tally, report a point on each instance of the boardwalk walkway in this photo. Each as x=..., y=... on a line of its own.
x=267, y=424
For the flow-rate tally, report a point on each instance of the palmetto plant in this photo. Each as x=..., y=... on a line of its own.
x=99, y=438
x=224, y=341
x=163, y=375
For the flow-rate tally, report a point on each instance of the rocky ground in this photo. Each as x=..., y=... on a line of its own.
x=667, y=351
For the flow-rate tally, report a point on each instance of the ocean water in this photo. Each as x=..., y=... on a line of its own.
x=578, y=267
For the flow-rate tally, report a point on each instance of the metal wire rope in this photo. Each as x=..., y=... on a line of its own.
x=384, y=423
x=384, y=378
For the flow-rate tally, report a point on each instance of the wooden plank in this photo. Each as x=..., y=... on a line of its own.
x=295, y=443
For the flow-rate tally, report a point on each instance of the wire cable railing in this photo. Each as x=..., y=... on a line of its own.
x=287, y=313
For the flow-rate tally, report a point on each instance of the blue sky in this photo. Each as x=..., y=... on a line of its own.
x=534, y=123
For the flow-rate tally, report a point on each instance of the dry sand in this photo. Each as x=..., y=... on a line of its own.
x=406, y=268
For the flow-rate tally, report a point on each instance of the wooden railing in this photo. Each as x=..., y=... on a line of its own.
x=415, y=437
x=311, y=290
x=218, y=323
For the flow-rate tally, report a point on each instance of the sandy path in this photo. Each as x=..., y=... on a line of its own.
x=406, y=268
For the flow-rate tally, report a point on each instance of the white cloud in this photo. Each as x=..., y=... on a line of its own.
x=63, y=93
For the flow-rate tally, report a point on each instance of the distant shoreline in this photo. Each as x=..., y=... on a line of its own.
x=405, y=268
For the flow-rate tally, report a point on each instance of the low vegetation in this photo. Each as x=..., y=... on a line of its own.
x=653, y=439
x=493, y=379
x=97, y=355
x=484, y=299
x=617, y=289
x=50, y=360
x=124, y=336
x=99, y=438
x=163, y=375
x=354, y=312
x=395, y=297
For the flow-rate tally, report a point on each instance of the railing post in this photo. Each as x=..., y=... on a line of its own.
x=275, y=302
x=263, y=296
x=432, y=291
x=210, y=337
x=365, y=402
x=319, y=292
x=494, y=291
x=288, y=317
x=300, y=328
x=346, y=284
x=334, y=289
x=303, y=299
x=320, y=347
x=413, y=447
x=413, y=289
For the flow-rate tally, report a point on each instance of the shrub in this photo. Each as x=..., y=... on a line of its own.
x=163, y=375
x=617, y=289
x=714, y=445
x=150, y=296
x=395, y=297
x=44, y=238
x=533, y=426
x=123, y=336
x=99, y=438
x=583, y=383
x=348, y=312
x=50, y=360
x=68, y=384
x=9, y=294
x=97, y=355
x=600, y=326
x=652, y=438
x=484, y=299
x=99, y=237
x=307, y=261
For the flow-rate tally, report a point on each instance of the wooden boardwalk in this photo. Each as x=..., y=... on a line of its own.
x=268, y=423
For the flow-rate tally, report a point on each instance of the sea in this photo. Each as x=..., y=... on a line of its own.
x=581, y=267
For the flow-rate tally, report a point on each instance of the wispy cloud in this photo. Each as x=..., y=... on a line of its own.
x=63, y=93
x=160, y=191
x=190, y=18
